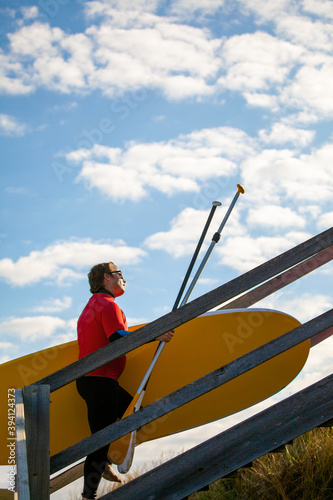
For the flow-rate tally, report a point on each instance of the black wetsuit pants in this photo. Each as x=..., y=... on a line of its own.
x=106, y=402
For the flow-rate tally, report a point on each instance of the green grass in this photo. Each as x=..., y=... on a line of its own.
x=303, y=472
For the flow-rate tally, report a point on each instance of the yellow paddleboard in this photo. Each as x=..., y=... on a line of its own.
x=198, y=347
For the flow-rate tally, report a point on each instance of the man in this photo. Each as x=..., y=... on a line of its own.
x=102, y=321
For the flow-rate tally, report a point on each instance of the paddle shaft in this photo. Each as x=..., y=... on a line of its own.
x=215, y=239
x=161, y=345
x=133, y=407
x=215, y=204
x=136, y=402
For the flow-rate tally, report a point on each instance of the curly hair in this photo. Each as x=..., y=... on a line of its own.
x=96, y=275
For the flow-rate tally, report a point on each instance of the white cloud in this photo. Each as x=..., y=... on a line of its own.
x=319, y=7
x=256, y=61
x=303, y=30
x=6, y=345
x=186, y=8
x=280, y=184
x=266, y=11
x=114, y=57
x=274, y=174
x=60, y=261
x=32, y=328
x=325, y=221
x=181, y=164
x=9, y=125
x=30, y=12
x=275, y=216
x=311, y=88
x=184, y=233
x=128, y=47
x=302, y=306
x=50, y=58
x=178, y=59
x=13, y=79
x=246, y=252
x=110, y=8
x=262, y=100
x=185, y=230
x=54, y=305
x=278, y=73
x=283, y=134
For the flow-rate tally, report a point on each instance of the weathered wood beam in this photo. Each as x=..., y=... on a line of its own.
x=284, y=279
x=191, y=391
x=37, y=416
x=321, y=336
x=21, y=448
x=189, y=311
x=230, y=450
x=67, y=477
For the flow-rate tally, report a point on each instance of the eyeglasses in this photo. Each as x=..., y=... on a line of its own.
x=117, y=272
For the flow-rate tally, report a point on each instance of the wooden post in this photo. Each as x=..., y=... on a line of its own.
x=37, y=418
x=22, y=486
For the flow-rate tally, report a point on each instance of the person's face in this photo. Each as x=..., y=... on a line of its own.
x=115, y=282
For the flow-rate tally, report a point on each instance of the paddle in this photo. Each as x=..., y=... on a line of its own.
x=121, y=452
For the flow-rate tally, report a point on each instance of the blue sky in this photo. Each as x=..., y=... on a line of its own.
x=122, y=121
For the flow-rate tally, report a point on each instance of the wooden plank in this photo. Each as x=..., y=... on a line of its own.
x=230, y=450
x=21, y=448
x=66, y=477
x=284, y=279
x=37, y=416
x=189, y=311
x=281, y=281
x=191, y=391
x=321, y=336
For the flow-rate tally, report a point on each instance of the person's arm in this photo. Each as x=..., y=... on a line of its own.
x=166, y=337
x=118, y=335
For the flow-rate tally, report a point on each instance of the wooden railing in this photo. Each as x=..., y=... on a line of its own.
x=228, y=451
x=35, y=467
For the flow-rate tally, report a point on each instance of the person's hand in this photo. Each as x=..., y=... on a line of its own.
x=166, y=337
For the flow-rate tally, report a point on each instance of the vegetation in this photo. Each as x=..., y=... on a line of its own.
x=304, y=471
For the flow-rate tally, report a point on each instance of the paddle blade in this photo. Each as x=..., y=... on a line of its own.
x=118, y=449
x=127, y=463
